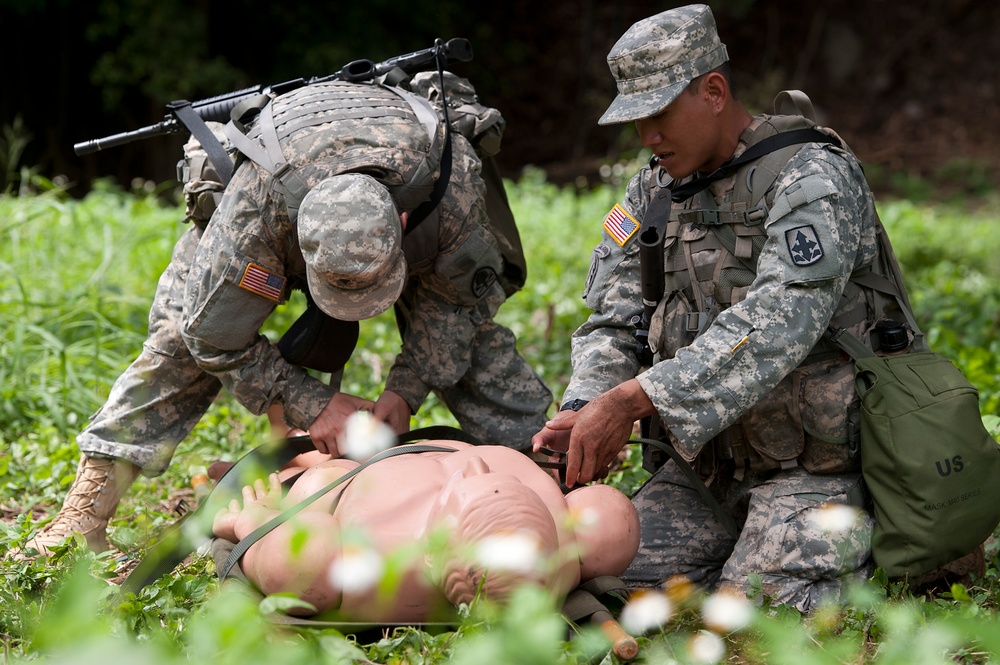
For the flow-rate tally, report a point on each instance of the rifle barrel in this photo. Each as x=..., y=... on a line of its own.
x=169, y=125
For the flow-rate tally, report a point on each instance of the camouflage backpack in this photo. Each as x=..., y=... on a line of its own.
x=483, y=126
x=202, y=184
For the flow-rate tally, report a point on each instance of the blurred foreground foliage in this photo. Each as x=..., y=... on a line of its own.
x=76, y=281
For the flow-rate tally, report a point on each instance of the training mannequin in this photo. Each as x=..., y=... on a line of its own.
x=405, y=502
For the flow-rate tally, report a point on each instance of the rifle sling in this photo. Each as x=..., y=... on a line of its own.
x=209, y=141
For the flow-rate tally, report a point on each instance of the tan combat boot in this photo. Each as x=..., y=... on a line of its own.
x=100, y=484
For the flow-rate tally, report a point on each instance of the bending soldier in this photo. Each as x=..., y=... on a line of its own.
x=350, y=163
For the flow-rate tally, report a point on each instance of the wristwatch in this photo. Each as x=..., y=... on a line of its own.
x=574, y=405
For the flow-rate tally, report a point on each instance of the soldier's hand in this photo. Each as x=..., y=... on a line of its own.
x=394, y=411
x=328, y=427
x=555, y=435
x=602, y=428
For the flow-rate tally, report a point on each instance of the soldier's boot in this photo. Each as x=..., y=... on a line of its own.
x=100, y=484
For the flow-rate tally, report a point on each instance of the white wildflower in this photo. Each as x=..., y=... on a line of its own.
x=357, y=570
x=645, y=611
x=706, y=648
x=830, y=517
x=726, y=611
x=365, y=436
x=516, y=552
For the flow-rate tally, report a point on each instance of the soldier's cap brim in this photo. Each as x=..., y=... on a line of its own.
x=638, y=105
x=358, y=304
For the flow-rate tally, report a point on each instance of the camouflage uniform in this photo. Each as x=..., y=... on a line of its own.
x=741, y=381
x=204, y=325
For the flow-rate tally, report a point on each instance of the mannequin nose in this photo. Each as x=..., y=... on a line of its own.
x=476, y=466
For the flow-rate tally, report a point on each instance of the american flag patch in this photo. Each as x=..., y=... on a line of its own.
x=620, y=225
x=258, y=280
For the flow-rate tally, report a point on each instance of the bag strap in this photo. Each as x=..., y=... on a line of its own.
x=756, y=151
x=727, y=521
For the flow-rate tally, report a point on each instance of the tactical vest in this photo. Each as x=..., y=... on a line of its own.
x=326, y=129
x=281, y=131
x=810, y=418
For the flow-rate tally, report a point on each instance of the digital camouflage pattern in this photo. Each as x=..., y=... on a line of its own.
x=223, y=284
x=784, y=536
x=352, y=242
x=743, y=383
x=657, y=57
x=702, y=386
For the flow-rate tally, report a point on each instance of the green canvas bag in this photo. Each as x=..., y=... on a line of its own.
x=930, y=465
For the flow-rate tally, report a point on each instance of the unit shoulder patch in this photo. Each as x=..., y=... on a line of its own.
x=620, y=225
x=803, y=245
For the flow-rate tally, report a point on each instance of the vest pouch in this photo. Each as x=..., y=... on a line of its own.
x=830, y=418
x=930, y=465
x=318, y=341
x=773, y=427
x=673, y=325
x=201, y=198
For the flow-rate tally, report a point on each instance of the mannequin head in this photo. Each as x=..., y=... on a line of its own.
x=606, y=527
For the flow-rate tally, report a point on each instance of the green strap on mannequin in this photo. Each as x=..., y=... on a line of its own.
x=247, y=542
x=187, y=534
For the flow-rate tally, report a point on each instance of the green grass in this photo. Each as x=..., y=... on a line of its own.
x=76, y=281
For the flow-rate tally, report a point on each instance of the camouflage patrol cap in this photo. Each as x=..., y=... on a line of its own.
x=352, y=242
x=656, y=59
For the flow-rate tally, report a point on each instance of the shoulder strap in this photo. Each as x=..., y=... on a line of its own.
x=429, y=117
x=756, y=151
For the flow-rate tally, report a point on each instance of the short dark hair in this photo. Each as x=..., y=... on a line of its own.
x=727, y=72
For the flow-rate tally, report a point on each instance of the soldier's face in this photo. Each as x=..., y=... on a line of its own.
x=685, y=136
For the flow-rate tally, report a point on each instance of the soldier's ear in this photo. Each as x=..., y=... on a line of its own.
x=715, y=88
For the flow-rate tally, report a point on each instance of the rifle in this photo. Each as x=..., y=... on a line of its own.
x=194, y=115
x=654, y=224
